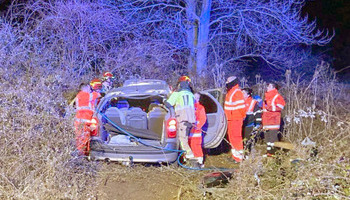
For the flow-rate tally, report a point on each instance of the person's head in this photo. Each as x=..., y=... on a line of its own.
x=272, y=86
x=184, y=82
x=247, y=92
x=197, y=96
x=85, y=87
x=231, y=82
x=96, y=85
x=184, y=78
x=107, y=77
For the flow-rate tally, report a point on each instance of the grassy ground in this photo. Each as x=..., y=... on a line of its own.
x=37, y=138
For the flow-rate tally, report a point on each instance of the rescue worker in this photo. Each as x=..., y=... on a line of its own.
x=183, y=101
x=252, y=121
x=271, y=117
x=235, y=113
x=107, y=82
x=96, y=85
x=195, y=138
x=85, y=105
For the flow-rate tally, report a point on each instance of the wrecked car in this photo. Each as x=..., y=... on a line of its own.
x=135, y=126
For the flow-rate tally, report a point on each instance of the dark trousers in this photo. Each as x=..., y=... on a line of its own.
x=271, y=136
x=248, y=138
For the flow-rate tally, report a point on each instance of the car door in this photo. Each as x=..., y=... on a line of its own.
x=216, y=126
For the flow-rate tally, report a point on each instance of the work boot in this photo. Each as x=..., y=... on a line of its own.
x=194, y=163
x=271, y=148
x=189, y=156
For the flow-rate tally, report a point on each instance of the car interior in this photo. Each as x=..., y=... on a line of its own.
x=144, y=116
x=141, y=114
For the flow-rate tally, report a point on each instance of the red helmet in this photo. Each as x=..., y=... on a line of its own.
x=184, y=78
x=96, y=84
x=107, y=75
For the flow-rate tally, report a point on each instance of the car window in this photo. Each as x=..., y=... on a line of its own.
x=208, y=103
x=217, y=94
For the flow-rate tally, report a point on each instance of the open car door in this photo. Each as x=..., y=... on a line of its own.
x=216, y=125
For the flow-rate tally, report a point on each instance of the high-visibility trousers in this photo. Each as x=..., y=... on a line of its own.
x=183, y=132
x=195, y=142
x=234, y=132
x=82, y=137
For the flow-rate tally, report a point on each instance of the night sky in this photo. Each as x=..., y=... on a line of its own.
x=334, y=14
x=330, y=14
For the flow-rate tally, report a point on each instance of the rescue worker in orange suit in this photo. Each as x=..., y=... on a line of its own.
x=235, y=113
x=107, y=82
x=183, y=101
x=195, y=138
x=271, y=117
x=85, y=103
x=252, y=121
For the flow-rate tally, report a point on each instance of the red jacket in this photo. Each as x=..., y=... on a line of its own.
x=234, y=104
x=201, y=118
x=253, y=111
x=273, y=105
x=85, y=104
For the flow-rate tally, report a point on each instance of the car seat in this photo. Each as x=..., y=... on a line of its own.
x=136, y=118
x=156, y=120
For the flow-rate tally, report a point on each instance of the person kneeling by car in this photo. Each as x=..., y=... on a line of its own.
x=183, y=101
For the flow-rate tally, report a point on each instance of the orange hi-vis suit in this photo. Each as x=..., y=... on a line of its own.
x=271, y=117
x=235, y=113
x=85, y=104
x=195, y=137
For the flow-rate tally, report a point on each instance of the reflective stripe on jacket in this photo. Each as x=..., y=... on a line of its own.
x=85, y=104
x=234, y=104
x=253, y=112
x=273, y=105
x=201, y=118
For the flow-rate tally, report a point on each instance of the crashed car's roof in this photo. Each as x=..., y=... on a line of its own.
x=142, y=87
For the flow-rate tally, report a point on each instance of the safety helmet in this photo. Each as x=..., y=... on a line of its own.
x=96, y=84
x=184, y=78
x=231, y=78
x=107, y=75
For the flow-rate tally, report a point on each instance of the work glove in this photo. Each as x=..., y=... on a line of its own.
x=256, y=127
x=188, y=124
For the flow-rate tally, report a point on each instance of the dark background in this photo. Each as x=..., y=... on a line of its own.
x=334, y=15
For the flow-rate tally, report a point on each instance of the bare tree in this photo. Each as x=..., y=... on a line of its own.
x=226, y=31
x=84, y=37
x=184, y=34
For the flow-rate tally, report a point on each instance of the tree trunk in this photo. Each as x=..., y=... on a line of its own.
x=203, y=37
x=192, y=33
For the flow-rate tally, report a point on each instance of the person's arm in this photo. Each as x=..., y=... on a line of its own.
x=202, y=118
x=280, y=103
x=169, y=103
x=240, y=99
x=257, y=114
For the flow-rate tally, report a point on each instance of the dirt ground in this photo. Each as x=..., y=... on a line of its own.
x=157, y=182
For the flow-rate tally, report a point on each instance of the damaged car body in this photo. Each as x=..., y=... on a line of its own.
x=135, y=126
